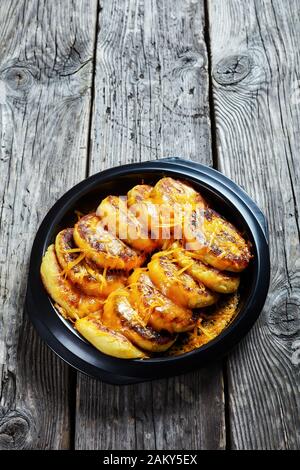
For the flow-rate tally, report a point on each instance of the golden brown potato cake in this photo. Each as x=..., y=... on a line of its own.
x=215, y=241
x=138, y=193
x=157, y=310
x=145, y=210
x=85, y=274
x=104, y=248
x=178, y=286
x=107, y=341
x=75, y=303
x=118, y=219
x=171, y=191
x=173, y=198
x=113, y=279
x=154, y=219
x=121, y=316
x=216, y=280
x=162, y=209
x=210, y=323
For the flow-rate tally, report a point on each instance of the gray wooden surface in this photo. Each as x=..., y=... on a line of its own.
x=86, y=86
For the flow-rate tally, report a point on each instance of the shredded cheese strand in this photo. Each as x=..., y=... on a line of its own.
x=73, y=250
x=159, y=254
x=73, y=263
x=185, y=268
x=103, y=279
x=205, y=332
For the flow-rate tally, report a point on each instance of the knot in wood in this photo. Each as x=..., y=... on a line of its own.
x=283, y=316
x=18, y=78
x=187, y=61
x=14, y=430
x=182, y=85
x=232, y=69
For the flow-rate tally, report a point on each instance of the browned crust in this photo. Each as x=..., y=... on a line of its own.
x=130, y=327
x=148, y=333
x=125, y=253
x=68, y=291
x=241, y=260
x=170, y=270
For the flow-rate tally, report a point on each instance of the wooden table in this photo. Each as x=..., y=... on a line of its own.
x=86, y=86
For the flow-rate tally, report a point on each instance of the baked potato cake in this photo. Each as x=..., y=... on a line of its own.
x=162, y=209
x=174, y=198
x=177, y=285
x=104, y=248
x=215, y=241
x=89, y=278
x=138, y=193
x=113, y=278
x=210, y=323
x=171, y=191
x=157, y=310
x=74, y=303
x=107, y=341
x=146, y=211
x=223, y=282
x=118, y=218
x=120, y=315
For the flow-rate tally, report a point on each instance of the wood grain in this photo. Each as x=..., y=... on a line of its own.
x=151, y=83
x=151, y=101
x=45, y=76
x=184, y=412
x=256, y=59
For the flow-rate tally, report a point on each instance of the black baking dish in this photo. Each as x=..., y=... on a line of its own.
x=226, y=197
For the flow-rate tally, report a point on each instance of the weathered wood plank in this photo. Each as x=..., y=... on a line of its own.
x=183, y=412
x=45, y=75
x=151, y=101
x=256, y=60
x=151, y=83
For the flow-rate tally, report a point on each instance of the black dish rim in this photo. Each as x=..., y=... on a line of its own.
x=82, y=355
